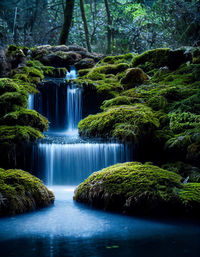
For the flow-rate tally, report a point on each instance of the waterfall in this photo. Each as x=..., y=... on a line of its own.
x=30, y=101
x=62, y=158
x=74, y=107
x=70, y=164
x=72, y=74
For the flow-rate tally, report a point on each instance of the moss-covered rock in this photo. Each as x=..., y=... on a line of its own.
x=8, y=85
x=85, y=63
x=114, y=122
x=140, y=190
x=119, y=100
x=134, y=77
x=160, y=57
x=21, y=192
x=10, y=101
x=25, y=117
x=18, y=134
x=99, y=72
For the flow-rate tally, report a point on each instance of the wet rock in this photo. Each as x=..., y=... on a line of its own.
x=5, y=65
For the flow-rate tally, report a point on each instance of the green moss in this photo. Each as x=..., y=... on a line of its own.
x=9, y=101
x=190, y=104
x=23, y=77
x=179, y=122
x=97, y=73
x=125, y=58
x=25, y=117
x=18, y=134
x=34, y=63
x=17, y=51
x=83, y=72
x=119, y=100
x=139, y=189
x=134, y=77
x=8, y=85
x=160, y=57
x=21, y=192
x=110, y=123
x=32, y=74
x=190, y=194
x=54, y=72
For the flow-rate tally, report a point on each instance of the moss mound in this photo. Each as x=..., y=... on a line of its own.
x=140, y=189
x=99, y=72
x=18, y=134
x=160, y=57
x=123, y=122
x=21, y=192
x=25, y=117
x=134, y=77
x=124, y=58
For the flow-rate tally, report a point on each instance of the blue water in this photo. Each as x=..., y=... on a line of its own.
x=68, y=228
x=72, y=229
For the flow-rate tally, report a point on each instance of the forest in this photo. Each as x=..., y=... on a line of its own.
x=99, y=128
x=115, y=26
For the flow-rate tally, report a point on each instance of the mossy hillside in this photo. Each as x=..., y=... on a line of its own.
x=25, y=117
x=123, y=123
x=140, y=189
x=21, y=192
x=18, y=134
x=170, y=92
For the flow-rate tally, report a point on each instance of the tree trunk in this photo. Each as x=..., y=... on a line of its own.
x=85, y=25
x=68, y=14
x=109, y=24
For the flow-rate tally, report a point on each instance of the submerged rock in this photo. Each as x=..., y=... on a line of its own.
x=21, y=192
x=140, y=189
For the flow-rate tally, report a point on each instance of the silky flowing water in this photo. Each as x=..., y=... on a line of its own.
x=63, y=160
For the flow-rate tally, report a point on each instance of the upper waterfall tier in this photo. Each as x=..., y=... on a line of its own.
x=60, y=101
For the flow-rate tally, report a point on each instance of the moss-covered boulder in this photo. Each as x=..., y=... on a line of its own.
x=10, y=102
x=18, y=134
x=25, y=117
x=134, y=77
x=21, y=192
x=99, y=72
x=160, y=57
x=124, y=123
x=140, y=189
